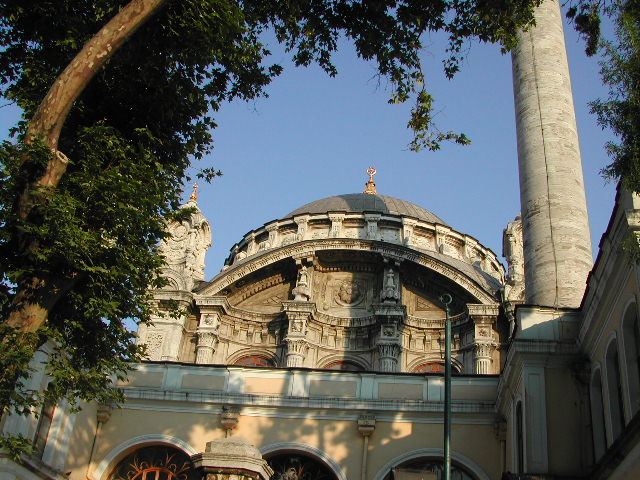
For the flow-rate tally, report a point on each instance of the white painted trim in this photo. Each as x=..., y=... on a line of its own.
x=53, y=450
x=306, y=448
x=114, y=455
x=463, y=460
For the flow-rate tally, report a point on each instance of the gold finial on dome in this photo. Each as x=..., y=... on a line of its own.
x=371, y=185
x=194, y=194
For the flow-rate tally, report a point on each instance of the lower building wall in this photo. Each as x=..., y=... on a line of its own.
x=567, y=438
x=319, y=431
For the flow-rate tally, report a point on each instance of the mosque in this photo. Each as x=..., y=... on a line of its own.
x=317, y=352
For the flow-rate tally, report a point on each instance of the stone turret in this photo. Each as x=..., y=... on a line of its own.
x=185, y=249
x=184, y=252
x=555, y=223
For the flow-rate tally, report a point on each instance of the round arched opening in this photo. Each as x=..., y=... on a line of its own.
x=431, y=367
x=254, y=361
x=344, y=365
x=298, y=466
x=427, y=469
x=154, y=462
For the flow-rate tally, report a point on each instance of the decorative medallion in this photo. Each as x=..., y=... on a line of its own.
x=349, y=294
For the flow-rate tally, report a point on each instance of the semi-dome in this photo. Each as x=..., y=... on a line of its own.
x=366, y=202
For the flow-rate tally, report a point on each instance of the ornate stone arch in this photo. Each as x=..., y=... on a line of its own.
x=308, y=248
x=175, y=282
x=471, y=466
x=344, y=357
x=117, y=453
x=411, y=367
x=309, y=450
x=270, y=355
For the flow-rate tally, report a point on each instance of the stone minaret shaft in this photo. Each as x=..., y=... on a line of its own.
x=557, y=242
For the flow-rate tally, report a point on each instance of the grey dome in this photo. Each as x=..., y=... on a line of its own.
x=365, y=202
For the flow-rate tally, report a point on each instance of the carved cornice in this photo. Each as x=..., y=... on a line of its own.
x=239, y=271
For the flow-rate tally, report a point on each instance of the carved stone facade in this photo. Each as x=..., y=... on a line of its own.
x=294, y=296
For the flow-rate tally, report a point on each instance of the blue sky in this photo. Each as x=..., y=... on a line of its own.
x=315, y=136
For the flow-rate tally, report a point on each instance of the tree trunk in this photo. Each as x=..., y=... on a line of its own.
x=30, y=307
x=52, y=112
x=35, y=299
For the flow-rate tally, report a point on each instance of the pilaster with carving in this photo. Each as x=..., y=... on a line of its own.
x=336, y=224
x=372, y=226
x=484, y=318
x=390, y=318
x=273, y=234
x=408, y=226
x=301, y=222
x=164, y=335
x=207, y=337
x=298, y=316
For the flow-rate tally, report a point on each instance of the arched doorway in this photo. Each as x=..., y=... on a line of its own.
x=298, y=466
x=154, y=462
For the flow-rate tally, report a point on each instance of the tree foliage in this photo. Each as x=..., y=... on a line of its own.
x=620, y=112
x=91, y=240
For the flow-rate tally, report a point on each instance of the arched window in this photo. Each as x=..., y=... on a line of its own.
x=344, y=365
x=254, y=361
x=614, y=390
x=631, y=339
x=297, y=466
x=156, y=462
x=597, y=416
x=431, y=367
x=44, y=425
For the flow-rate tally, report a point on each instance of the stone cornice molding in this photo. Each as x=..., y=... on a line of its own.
x=239, y=271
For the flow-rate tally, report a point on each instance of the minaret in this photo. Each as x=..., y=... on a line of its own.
x=555, y=222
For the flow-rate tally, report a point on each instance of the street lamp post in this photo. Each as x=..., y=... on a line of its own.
x=446, y=301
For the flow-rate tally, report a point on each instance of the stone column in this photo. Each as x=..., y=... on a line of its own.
x=557, y=242
x=298, y=314
x=231, y=459
x=206, y=347
x=207, y=335
x=484, y=319
x=389, y=342
x=483, y=357
x=388, y=353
